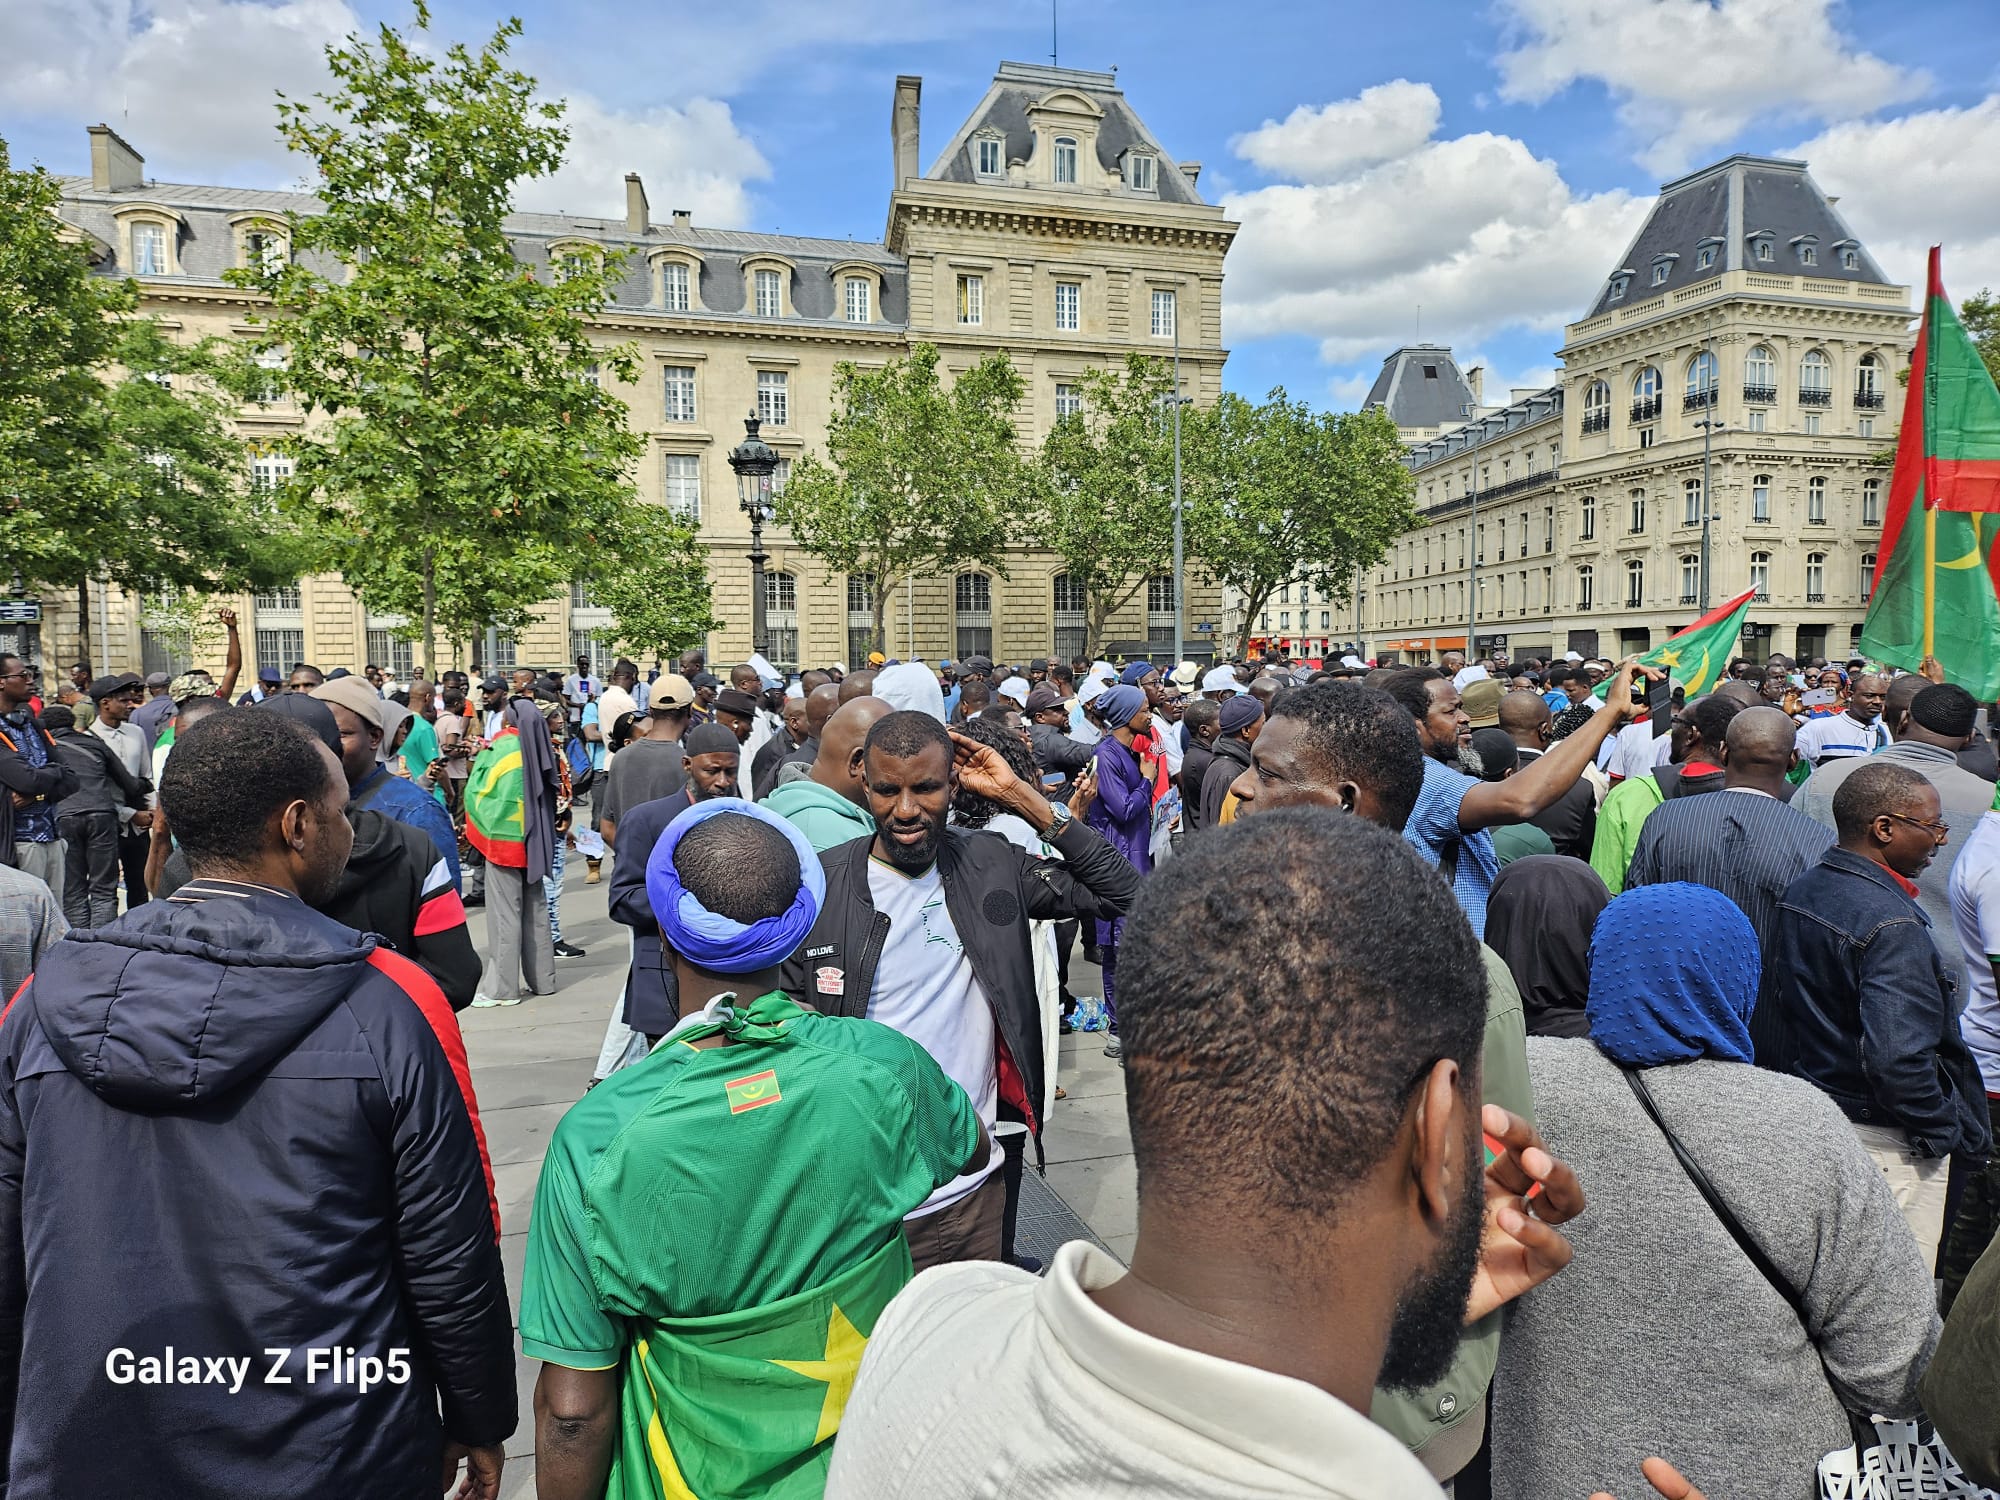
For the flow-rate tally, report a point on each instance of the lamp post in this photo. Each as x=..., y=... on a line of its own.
x=1709, y=427
x=1179, y=402
x=755, y=462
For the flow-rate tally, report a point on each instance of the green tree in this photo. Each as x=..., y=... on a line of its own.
x=1981, y=317
x=118, y=458
x=471, y=457
x=1282, y=494
x=1103, y=496
x=916, y=479
x=655, y=585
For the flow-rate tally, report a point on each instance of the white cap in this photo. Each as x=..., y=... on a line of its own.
x=1572, y=656
x=1220, y=680
x=1351, y=660
x=1015, y=688
x=911, y=685
x=1468, y=674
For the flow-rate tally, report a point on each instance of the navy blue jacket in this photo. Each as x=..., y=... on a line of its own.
x=652, y=998
x=1866, y=1008
x=231, y=1127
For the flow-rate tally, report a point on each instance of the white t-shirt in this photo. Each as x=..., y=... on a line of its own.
x=1975, y=912
x=983, y=1379
x=1635, y=750
x=924, y=988
x=1833, y=736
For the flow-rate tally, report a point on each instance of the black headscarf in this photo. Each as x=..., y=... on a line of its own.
x=1539, y=918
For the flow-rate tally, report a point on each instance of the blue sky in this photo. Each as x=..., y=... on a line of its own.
x=1485, y=162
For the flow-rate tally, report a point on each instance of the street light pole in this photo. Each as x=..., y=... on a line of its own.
x=755, y=461
x=1472, y=575
x=1708, y=427
x=1180, y=592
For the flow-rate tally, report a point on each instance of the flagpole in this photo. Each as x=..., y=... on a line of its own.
x=1933, y=293
x=1930, y=577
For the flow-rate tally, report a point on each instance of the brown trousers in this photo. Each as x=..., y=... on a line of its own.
x=968, y=1230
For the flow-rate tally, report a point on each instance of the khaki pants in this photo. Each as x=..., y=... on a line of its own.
x=46, y=862
x=518, y=945
x=971, y=1229
x=1917, y=1181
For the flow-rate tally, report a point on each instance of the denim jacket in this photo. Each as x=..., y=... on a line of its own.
x=1866, y=1008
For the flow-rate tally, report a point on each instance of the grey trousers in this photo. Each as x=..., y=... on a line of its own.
x=518, y=945
x=45, y=862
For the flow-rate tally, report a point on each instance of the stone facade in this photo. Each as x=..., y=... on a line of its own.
x=1053, y=226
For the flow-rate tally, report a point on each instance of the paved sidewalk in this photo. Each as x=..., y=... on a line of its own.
x=530, y=1062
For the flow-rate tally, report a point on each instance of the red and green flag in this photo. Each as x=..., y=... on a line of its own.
x=1934, y=591
x=1698, y=656
x=496, y=819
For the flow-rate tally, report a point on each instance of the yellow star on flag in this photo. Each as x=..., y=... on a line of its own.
x=837, y=1368
x=1667, y=659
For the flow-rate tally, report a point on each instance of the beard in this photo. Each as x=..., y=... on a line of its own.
x=1430, y=1316
x=913, y=859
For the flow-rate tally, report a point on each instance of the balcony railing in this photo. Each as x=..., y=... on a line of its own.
x=1597, y=421
x=1815, y=520
x=1687, y=598
x=1815, y=598
x=1763, y=596
x=1761, y=395
x=1583, y=604
x=1645, y=408
x=1869, y=400
x=1696, y=400
x=1815, y=398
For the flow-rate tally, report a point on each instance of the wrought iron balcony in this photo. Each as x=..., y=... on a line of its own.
x=1696, y=400
x=1815, y=398
x=1645, y=408
x=1815, y=598
x=1869, y=400
x=1687, y=598
x=1597, y=421
x=1761, y=395
x=1583, y=604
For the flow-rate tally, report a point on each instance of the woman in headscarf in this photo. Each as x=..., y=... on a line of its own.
x=1538, y=919
x=1122, y=811
x=1663, y=1336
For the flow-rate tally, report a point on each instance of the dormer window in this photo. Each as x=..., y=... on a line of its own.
x=262, y=244
x=149, y=249
x=1065, y=159
x=676, y=279
x=860, y=286
x=987, y=160
x=1807, y=249
x=1850, y=258
x=1705, y=252
x=1618, y=284
x=151, y=239
x=1660, y=269
x=1763, y=248
x=569, y=258
x=1140, y=172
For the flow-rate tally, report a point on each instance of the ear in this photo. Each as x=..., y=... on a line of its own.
x=292, y=824
x=1437, y=1148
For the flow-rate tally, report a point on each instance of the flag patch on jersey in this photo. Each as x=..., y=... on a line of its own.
x=753, y=1091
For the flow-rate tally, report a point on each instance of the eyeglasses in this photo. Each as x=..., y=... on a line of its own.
x=23, y=673
x=1938, y=831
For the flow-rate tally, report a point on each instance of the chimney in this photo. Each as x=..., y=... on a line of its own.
x=638, y=213
x=1190, y=170
x=1476, y=378
x=683, y=218
x=114, y=166
x=903, y=128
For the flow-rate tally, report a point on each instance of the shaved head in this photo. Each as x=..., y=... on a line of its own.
x=1757, y=749
x=1522, y=715
x=838, y=764
x=820, y=705
x=1742, y=694
x=1902, y=693
x=857, y=684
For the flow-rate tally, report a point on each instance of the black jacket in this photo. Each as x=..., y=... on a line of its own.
x=1056, y=751
x=652, y=998
x=764, y=766
x=52, y=782
x=102, y=782
x=277, y=1123
x=1571, y=820
x=1195, y=761
x=396, y=887
x=992, y=890
x=1231, y=760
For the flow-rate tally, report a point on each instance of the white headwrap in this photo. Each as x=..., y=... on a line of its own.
x=910, y=685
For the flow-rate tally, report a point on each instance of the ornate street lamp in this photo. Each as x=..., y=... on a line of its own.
x=755, y=461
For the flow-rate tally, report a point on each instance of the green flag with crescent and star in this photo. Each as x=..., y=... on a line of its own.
x=1934, y=592
x=1698, y=656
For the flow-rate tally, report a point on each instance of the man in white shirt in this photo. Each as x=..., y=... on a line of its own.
x=117, y=699
x=1855, y=731
x=579, y=688
x=1306, y=1125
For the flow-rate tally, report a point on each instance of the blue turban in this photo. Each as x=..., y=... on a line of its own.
x=710, y=940
x=1117, y=706
x=1134, y=670
x=1673, y=977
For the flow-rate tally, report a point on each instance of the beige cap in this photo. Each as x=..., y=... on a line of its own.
x=353, y=694
x=670, y=692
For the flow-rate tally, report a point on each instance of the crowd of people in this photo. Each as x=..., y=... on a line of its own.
x=1541, y=1082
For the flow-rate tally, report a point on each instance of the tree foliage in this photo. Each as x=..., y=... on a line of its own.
x=117, y=454
x=1103, y=496
x=655, y=583
x=916, y=478
x=1981, y=317
x=1279, y=493
x=471, y=456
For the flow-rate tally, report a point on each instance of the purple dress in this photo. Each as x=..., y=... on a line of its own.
x=1123, y=813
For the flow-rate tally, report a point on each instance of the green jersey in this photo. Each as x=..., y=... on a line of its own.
x=724, y=1225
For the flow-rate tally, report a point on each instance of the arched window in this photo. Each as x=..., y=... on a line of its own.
x=1586, y=584
x=1690, y=578
x=1597, y=406
x=781, y=619
x=1646, y=395
x=972, y=597
x=1868, y=383
x=1871, y=502
x=1867, y=576
x=1635, y=582
x=1760, y=576
x=1587, y=518
x=1691, y=502
x=1815, y=578
x=1760, y=375
x=1816, y=380
x=1638, y=516
x=860, y=617
x=1065, y=159
x=1702, y=385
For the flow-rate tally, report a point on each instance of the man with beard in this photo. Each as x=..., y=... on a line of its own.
x=926, y=928
x=1448, y=825
x=1301, y=1241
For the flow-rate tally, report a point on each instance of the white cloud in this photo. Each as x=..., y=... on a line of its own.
x=1332, y=141
x=1475, y=231
x=1689, y=75
x=1928, y=178
x=192, y=84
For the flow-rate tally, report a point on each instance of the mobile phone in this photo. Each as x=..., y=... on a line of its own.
x=1660, y=703
x=1052, y=781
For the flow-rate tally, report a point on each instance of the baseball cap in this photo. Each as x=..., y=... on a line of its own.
x=270, y=674
x=1042, y=699
x=110, y=687
x=157, y=679
x=671, y=692
x=876, y=658
x=705, y=680
x=1220, y=680
x=1016, y=689
x=353, y=694
x=493, y=685
x=189, y=685
x=1481, y=702
x=977, y=664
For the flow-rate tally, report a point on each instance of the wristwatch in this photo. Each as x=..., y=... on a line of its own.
x=1060, y=817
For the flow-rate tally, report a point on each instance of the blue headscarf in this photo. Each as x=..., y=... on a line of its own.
x=1117, y=705
x=1673, y=977
x=1134, y=670
x=710, y=940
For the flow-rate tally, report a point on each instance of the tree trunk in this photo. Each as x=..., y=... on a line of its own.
x=430, y=613
x=82, y=626
x=881, y=625
x=1253, y=605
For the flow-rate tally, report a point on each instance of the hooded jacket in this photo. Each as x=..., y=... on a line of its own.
x=820, y=813
x=233, y=1130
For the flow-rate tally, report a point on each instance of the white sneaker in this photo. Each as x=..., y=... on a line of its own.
x=487, y=1002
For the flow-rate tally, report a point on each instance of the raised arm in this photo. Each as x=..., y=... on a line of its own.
x=232, y=661
x=1527, y=792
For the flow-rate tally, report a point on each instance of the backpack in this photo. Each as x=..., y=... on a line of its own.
x=581, y=772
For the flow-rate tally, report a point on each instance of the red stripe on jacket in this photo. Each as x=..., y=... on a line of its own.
x=420, y=987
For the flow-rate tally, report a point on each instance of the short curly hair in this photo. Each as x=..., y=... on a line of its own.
x=220, y=811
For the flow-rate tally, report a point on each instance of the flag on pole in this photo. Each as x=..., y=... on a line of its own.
x=1934, y=591
x=1697, y=657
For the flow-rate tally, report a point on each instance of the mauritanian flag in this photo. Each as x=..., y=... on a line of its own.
x=496, y=821
x=1697, y=657
x=1934, y=587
